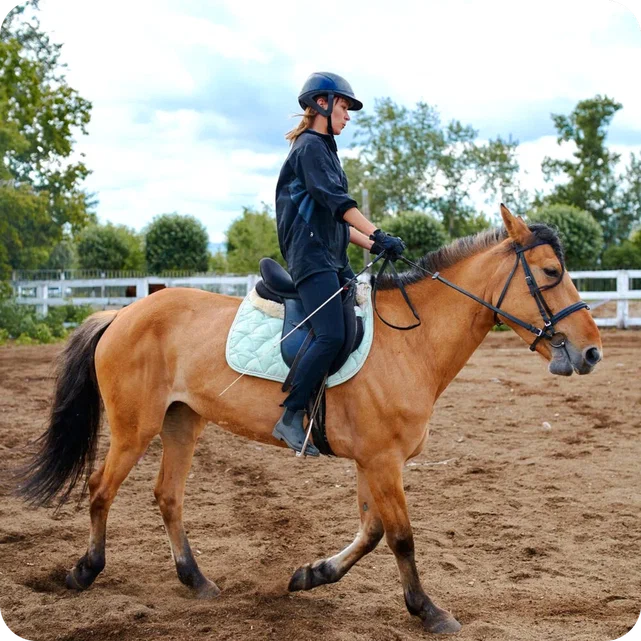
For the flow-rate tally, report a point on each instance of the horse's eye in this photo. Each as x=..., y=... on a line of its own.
x=551, y=272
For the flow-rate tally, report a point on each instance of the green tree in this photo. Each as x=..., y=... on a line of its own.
x=62, y=256
x=628, y=204
x=26, y=230
x=39, y=116
x=175, y=242
x=251, y=237
x=218, y=263
x=580, y=233
x=110, y=247
x=409, y=161
x=422, y=233
x=591, y=180
x=627, y=255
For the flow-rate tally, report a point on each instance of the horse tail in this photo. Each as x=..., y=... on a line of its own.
x=67, y=448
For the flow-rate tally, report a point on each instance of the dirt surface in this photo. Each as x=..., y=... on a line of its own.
x=525, y=505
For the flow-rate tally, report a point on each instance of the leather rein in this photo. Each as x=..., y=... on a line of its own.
x=548, y=331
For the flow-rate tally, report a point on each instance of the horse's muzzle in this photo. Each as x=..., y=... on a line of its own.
x=567, y=359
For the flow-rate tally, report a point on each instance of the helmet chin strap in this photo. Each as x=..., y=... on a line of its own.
x=326, y=112
x=330, y=108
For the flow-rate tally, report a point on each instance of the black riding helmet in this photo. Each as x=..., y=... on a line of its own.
x=324, y=83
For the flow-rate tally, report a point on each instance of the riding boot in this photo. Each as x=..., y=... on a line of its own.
x=290, y=430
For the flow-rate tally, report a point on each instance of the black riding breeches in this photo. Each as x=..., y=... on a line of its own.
x=329, y=335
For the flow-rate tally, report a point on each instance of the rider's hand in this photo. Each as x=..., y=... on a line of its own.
x=393, y=245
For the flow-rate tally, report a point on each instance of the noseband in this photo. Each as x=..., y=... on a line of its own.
x=557, y=339
x=549, y=319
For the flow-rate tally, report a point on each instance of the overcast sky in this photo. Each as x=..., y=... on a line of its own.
x=191, y=99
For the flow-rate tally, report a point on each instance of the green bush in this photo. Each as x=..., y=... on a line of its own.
x=580, y=233
x=421, y=232
x=110, y=247
x=41, y=333
x=21, y=322
x=176, y=243
x=4, y=336
x=6, y=291
x=627, y=255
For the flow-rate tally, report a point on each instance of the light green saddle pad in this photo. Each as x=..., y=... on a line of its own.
x=252, y=343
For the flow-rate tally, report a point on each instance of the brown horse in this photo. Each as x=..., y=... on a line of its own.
x=159, y=367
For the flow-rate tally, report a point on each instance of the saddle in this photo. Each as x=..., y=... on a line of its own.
x=277, y=285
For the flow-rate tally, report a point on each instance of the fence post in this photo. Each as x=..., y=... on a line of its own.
x=42, y=291
x=252, y=279
x=142, y=288
x=623, y=286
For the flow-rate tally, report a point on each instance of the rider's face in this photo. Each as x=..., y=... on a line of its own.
x=340, y=114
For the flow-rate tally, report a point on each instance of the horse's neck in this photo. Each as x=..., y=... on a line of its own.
x=453, y=325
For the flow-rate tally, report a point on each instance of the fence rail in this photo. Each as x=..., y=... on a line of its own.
x=123, y=289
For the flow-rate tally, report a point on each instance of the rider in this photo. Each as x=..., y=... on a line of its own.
x=317, y=219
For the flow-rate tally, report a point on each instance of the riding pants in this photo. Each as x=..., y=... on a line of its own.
x=329, y=335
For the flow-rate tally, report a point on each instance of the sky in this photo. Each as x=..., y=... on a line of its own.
x=192, y=98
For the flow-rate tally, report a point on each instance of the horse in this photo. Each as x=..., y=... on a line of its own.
x=158, y=368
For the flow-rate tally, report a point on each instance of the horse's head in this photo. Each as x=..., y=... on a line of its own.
x=533, y=286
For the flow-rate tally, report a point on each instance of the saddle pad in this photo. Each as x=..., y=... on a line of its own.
x=252, y=343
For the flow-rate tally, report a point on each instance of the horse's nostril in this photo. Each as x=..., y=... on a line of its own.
x=592, y=356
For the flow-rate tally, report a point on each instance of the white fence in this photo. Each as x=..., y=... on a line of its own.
x=120, y=291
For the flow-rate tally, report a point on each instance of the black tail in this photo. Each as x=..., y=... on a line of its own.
x=67, y=448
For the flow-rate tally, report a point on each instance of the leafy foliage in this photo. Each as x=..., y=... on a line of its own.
x=110, y=247
x=218, y=263
x=580, y=234
x=175, y=242
x=62, y=256
x=21, y=323
x=41, y=187
x=627, y=255
x=421, y=232
x=250, y=238
x=26, y=230
x=591, y=182
x=409, y=161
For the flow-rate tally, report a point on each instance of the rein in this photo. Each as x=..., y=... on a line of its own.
x=549, y=319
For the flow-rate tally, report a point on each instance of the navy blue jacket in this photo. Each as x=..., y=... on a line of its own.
x=311, y=198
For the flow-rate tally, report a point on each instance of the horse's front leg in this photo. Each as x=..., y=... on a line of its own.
x=385, y=478
x=334, y=568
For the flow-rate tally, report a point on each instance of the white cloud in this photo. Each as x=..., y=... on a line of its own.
x=497, y=64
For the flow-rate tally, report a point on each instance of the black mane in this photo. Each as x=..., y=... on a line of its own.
x=465, y=247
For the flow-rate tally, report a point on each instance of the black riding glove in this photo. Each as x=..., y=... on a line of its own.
x=393, y=245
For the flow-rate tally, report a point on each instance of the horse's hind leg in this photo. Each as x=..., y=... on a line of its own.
x=181, y=428
x=128, y=443
x=334, y=568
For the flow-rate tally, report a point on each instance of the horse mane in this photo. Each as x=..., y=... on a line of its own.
x=462, y=248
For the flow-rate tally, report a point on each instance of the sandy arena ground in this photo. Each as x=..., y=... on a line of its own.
x=525, y=505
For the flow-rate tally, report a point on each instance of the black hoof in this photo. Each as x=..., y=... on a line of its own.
x=208, y=590
x=82, y=575
x=311, y=576
x=444, y=624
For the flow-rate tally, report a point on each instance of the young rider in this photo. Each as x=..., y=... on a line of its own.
x=316, y=219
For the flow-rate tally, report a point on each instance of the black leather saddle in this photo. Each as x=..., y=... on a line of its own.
x=277, y=285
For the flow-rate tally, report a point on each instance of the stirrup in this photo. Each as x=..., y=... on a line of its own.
x=291, y=435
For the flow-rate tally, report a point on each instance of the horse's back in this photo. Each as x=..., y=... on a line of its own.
x=163, y=335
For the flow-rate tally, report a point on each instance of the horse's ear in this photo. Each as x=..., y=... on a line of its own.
x=515, y=225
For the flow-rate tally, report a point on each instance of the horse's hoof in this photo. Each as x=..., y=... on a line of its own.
x=445, y=624
x=301, y=579
x=208, y=590
x=72, y=582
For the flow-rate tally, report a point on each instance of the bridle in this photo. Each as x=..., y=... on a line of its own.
x=548, y=331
